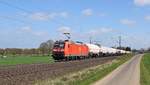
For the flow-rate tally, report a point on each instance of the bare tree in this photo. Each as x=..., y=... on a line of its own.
x=46, y=47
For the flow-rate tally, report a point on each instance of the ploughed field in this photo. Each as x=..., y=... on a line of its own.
x=27, y=74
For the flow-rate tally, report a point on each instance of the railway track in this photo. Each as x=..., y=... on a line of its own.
x=28, y=74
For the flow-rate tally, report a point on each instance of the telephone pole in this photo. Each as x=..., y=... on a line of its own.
x=120, y=41
x=90, y=38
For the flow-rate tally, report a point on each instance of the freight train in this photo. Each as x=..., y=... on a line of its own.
x=69, y=50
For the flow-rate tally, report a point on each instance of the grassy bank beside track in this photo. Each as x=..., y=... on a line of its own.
x=15, y=60
x=87, y=76
x=145, y=69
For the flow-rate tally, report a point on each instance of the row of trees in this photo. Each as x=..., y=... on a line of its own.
x=45, y=48
x=148, y=49
x=142, y=50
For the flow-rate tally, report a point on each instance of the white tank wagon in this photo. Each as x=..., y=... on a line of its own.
x=99, y=51
x=108, y=51
x=104, y=50
x=123, y=52
x=127, y=52
x=94, y=50
x=111, y=51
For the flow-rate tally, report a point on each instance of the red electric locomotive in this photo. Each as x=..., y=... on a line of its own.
x=69, y=50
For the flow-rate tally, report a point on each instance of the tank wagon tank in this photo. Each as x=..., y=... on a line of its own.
x=94, y=50
x=106, y=51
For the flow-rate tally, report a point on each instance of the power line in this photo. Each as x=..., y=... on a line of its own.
x=14, y=19
x=16, y=7
x=26, y=11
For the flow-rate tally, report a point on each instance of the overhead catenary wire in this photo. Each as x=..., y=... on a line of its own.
x=26, y=11
x=14, y=6
x=14, y=19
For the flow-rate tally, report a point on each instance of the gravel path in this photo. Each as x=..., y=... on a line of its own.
x=126, y=74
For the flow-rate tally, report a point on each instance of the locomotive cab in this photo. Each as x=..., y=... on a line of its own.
x=58, y=50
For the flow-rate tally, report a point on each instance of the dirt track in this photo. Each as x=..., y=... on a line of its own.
x=126, y=74
x=28, y=74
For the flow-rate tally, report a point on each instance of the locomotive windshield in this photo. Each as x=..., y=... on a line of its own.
x=59, y=44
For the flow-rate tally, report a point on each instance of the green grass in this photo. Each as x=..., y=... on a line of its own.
x=145, y=70
x=100, y=73
x=14, y=60
x=87, y=76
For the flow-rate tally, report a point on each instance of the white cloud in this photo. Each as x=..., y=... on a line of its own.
x=53, y=15
x=147, y=17
x=64, y=14
x=102, y=14
x=87, y=12
x=141, y=2
x=43, y=16
x=64, y=29
x=106, y=30
x=26, y=29
x=40, y=33
x=40, y=16
x=128, y=22
x=95, y=32
x=23, y=37
x=29, y=30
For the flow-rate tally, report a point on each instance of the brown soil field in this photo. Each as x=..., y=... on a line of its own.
x=29, y=74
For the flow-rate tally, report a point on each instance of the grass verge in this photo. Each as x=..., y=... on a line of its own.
x=145, y=70
x=87, y=76
x=14, y=60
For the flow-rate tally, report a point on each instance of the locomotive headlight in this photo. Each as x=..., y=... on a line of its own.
x=58, y=50
x=54, y=50
x=62, y=50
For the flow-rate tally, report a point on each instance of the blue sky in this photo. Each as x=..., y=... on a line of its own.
x=27, y=23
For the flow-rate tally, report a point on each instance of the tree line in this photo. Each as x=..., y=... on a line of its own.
x=45, y=48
